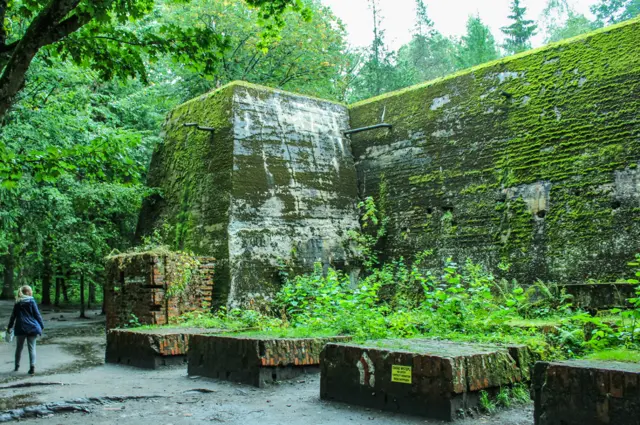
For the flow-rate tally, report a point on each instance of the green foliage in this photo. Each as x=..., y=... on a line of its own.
x=505, y=398
x=561, y=21
x=99, y=35
x=613, y=11
x=74, y=149
x=574, y=25
x=621, y=328
x=428, y=55
x=133, y=321
x=455, y=302
x=72, y=157
x=486, y=404
x=235, y=320
x=374, y=223
x=377, y=73
x=520, y=394
x=308, y=55
x=477, y=46
x=617, y=355
x=319, y=301
x=519, y=33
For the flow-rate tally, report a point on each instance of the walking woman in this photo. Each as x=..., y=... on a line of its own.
x=28, y=325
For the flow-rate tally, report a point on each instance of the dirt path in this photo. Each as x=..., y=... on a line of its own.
x=70, y=356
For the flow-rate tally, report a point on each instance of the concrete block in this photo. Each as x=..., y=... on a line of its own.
x=255, y=360
x=435, y=379
x=150, y=349
x=582, y=392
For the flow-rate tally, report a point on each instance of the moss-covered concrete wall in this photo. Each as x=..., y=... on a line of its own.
x=273, y=185
x=531, y=160
x=294, y=187
x=192, y=170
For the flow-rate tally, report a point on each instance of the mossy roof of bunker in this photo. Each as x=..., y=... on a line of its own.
x=501, y=61
x=239, y=83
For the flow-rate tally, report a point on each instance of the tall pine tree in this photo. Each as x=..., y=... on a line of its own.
x=424, y=24
x=378, y=73
x=428, y=55
x=378, y=58
x=477, y=46
x=519, y=33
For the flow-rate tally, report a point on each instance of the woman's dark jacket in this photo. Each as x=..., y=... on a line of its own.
x=27, y=318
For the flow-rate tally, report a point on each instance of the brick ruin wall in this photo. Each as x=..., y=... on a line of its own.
x=530, y=160
x=140, y=285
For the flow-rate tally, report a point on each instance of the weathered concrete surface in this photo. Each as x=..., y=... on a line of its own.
x=254, y=360
x=532, y=160
x=274, y=183
x=586, y=393
x=436, y=379
x=144, y=285
x=151, y=348
x=294, y=188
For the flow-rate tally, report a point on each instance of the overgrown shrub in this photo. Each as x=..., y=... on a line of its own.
x=459, y=302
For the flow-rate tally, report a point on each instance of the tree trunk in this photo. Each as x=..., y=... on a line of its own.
x=47, y=273
x=8, y=285
x=103, y=312
x=82, y=313
x=46, y=28
x=65, y=291
x=58, y=285
x=92, y=294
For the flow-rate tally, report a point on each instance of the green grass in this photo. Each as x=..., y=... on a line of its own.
x=298, y=332
x=275, y=332
x=617, y=354
x=535, y=323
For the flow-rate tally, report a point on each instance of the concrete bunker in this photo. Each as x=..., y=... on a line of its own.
x=545, y=179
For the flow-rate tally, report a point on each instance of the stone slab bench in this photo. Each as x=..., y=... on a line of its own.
x=586, y=392
x=152, y=348
x=436, y=379
x=255, y=360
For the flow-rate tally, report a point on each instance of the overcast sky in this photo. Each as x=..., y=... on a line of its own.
x=449, y=16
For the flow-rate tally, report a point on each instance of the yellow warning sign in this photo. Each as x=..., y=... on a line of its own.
x=401, y=374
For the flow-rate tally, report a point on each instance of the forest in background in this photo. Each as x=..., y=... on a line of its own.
x=78, y=128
